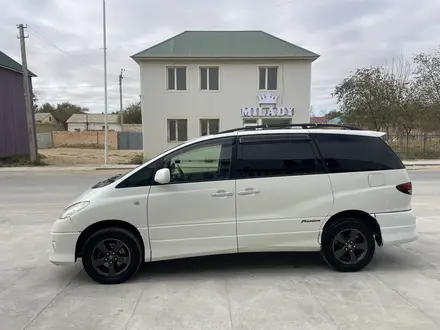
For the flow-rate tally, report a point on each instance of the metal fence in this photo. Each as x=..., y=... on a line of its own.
x=130, y=140
x=44, y=140
x=415, y=146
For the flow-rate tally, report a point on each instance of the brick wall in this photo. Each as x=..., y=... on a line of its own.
x=84, y=139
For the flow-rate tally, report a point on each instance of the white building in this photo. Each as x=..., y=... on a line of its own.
x=92, y=122
x=200, y=82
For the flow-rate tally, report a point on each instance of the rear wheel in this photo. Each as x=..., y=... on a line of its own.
x=112, y=255
x=348, y=246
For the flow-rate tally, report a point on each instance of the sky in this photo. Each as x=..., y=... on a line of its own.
x=65, y=44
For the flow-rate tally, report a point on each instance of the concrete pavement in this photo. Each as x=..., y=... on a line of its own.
x=399, y=290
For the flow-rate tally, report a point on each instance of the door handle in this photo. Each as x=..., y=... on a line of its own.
x=222, y=193
x=249, y=192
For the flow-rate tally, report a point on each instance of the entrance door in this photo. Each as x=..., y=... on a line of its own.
x=283, y=193
x=194, y=214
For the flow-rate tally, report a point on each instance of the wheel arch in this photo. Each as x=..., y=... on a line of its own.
x=363, y=216
x=93, y=228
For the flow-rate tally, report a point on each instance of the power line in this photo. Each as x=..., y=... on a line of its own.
x=41, y=37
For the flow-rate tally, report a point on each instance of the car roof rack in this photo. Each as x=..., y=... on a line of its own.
x=278, y=126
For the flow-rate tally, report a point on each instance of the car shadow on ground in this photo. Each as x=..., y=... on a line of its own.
x=386, y=259
x=390, y=259
x=234, y=263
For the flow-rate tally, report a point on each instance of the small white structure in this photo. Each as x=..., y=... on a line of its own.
x=45, y=118
x=202, y=82
x=92, y=122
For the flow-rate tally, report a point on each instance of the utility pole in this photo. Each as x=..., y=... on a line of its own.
x=120, y=99
x=27, y=95
x=105, y=84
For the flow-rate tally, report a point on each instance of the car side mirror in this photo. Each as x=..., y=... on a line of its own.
x=162, y=176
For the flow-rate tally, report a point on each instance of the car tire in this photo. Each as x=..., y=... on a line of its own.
x=348, y=245
x=112, y=255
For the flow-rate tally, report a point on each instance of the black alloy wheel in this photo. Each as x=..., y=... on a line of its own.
x=348, y=245
x=112, y=255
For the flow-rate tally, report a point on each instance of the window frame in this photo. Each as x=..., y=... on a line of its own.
x=208, y=131
x=266, y=80
x=174, y=67
x=319, y=163
x=176, y=129
x=209, y=67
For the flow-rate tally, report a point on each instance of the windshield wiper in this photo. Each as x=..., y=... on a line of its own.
x=107, y=181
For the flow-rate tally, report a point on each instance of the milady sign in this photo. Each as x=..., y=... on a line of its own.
x=269, y=109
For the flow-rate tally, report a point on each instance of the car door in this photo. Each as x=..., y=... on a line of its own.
x=194, y=214
x=283, y=193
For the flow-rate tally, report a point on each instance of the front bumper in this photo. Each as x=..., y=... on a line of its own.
x=397, y=227
x=63, y=245
x=64, y=238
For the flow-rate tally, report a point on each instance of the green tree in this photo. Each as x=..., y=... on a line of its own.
x=427, y=87
x=365, y=99
x=133, y=113
x=45, y=107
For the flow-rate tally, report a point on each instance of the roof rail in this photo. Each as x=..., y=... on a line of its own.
x=276, y=126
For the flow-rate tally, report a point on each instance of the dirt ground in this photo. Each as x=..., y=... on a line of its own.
x=79, y=156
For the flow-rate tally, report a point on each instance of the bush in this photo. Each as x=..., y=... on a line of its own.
x=21, y=161
x=136, y=159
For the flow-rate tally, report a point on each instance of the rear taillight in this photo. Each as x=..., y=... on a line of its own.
x=406, y=188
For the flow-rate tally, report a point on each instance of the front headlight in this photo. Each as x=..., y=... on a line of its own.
x=72, y=209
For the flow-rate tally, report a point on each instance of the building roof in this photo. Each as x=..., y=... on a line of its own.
x=8, y=63
x=93, y=118
x=336, y=120
x=40, y=116
x=319, y=120
x=225, y=44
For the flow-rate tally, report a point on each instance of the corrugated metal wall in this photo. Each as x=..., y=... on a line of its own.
x=130, y=140
x=13, y=126
x=44, y=140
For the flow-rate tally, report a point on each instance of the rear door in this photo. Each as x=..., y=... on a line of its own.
x=364, y=173
x=282, y=193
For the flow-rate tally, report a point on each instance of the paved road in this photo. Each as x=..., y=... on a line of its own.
x=399, y=290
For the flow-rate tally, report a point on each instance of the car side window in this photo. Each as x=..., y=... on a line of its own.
x=205, y=161
x=276, y=155
x=355, y=153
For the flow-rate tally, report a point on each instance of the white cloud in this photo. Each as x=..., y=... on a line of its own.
x=346, y=33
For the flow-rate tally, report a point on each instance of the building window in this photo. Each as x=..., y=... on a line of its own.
x=209, y=79
x=250, y=122
x=176, y=78
x=276, y=121
x=209, y=126
x=77, y=130
x=268, y=79
x=177, y=130
x=103, y=127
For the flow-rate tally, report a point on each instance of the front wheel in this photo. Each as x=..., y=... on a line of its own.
x=348, y=246
x=112, y=255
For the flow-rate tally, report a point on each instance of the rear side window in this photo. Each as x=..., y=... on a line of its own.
x=275, y=155
x=354, y=153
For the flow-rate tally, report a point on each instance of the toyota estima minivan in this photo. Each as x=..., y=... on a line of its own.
x=291, y=188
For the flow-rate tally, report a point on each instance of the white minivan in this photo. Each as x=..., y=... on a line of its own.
x=297, y=187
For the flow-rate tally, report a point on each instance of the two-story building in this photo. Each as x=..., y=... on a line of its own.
x=202, y=82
